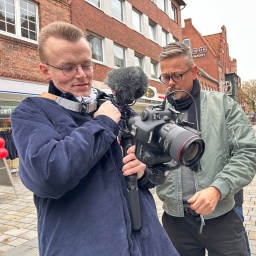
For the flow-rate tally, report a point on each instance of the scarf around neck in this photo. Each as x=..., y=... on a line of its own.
x=191, y=104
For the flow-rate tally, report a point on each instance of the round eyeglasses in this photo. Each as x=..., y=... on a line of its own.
x=165, y=79
x=70, y=70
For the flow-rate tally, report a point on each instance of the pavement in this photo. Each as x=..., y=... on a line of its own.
x=18, y=220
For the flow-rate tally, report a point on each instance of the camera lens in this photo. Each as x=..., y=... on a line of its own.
x=182, y=145
x=191, y=152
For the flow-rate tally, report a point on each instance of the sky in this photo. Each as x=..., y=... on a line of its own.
x=239, y=18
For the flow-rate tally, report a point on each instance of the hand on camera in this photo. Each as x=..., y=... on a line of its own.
x=132, y=164
x=109, y=110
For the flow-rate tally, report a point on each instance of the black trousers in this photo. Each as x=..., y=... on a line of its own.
x=221, y=236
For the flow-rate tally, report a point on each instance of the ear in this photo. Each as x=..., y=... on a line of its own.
x=194, y=72
x=45, y=71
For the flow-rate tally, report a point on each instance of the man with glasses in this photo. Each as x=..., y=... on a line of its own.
x=71, y=160
x=198, y=205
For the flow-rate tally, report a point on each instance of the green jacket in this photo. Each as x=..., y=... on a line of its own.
x=229, y=160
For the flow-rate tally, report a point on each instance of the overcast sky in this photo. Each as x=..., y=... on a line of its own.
x=239, y=18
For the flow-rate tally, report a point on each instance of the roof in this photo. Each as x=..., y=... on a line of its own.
x=181, y=3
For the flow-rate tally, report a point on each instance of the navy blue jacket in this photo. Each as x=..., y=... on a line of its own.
x=72, y=163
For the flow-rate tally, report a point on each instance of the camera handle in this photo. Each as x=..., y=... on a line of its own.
x=126, y=141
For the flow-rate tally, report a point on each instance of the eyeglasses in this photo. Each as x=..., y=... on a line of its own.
x=165, y=79
x=70, y=70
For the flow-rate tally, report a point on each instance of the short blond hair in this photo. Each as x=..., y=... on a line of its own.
x=60, y=30
x=177, y=49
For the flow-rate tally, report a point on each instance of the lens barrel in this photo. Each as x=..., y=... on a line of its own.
x=184, y=146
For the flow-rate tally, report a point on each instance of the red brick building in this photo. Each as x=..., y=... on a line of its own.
x=117, y=30
x=128, y=33
x=20, y=22
x=217, y=71
x=121, y=33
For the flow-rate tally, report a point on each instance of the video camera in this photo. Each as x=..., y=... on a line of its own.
x=163, y=141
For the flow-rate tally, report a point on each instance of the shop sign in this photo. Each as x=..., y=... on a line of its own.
x=6, y=111
x=199, y=52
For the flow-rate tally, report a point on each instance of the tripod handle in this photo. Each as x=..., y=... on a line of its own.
x=134, y=208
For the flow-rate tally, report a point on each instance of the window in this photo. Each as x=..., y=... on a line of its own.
x=152, y=30
x=19, y=18
x=136, y=20
x=154, y=66
x=94, y=2
x=165, y=40
x=174, y=13
x=138, y=60
x=163, y=5
x=119, y=56
x=96, y=46
x=187, y=42
x=117, y=9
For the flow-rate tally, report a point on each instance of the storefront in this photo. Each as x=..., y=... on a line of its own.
x=12, y=92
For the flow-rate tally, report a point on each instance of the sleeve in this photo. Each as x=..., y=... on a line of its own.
x=54, y=160
x=240, y=169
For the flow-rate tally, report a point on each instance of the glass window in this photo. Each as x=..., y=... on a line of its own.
x=119, y=56
x=174, y=13
x=152, y=30
x=165, y=40
x=96, y=46
x=138, y=60
x=136, y=20
x=117, y=9
x=186, y=42
x=19, y=17
x=163, y=5
x=94, y=2
x=154, y=66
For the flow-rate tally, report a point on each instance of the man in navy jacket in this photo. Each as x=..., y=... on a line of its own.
x=71, y=160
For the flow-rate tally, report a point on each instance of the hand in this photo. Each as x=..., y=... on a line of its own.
x=109, y=110
x=132, y=164
x=205, y=201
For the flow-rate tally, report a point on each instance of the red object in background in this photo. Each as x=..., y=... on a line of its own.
x=2, y=142
x=3, y=151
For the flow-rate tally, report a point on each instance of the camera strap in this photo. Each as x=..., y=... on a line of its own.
x=72, y=105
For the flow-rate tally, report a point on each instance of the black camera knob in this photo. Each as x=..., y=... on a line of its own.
x=144, y=115
x=166, y=119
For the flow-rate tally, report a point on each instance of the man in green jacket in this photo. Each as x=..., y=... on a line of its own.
x=198, y=205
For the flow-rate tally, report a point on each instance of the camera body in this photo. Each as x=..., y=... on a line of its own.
x=161, y=137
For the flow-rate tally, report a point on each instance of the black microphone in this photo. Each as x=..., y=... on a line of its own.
x=128, y=84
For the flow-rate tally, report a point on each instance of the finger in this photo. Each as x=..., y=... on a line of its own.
x=131, y=149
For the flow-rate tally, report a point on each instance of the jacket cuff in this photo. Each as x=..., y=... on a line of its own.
x=223, y=187
x=144, y=180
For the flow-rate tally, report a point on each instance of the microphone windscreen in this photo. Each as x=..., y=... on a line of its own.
x=129, y=83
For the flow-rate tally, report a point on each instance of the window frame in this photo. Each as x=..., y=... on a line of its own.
x=121, y=11
x=89, y=33
x=164, y=6
x=185, y=42
x=134, y=12
x=92, y=2
x=166, y=39
x=140, y=59
x=152, y=28
x=117, y=46
x=18, y=25
x=174, y=12
x=154, y=66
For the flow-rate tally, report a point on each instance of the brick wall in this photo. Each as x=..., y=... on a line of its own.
x=19, y=58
